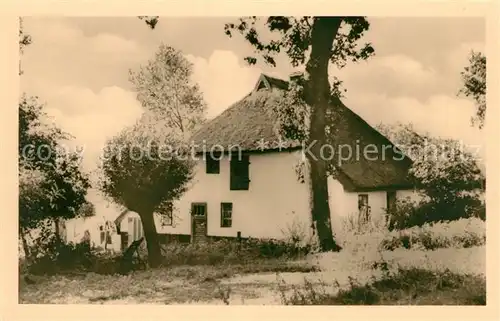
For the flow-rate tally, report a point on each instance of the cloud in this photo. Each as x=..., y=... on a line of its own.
x=82, y=80
x=63, y=54
x=99, y=116
x=109, y=43
x=459, y=55
x=392, y=75
x=440, y=115
x=222, y=79
x=398, y=88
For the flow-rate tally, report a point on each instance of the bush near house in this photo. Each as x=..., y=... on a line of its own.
x=461, y=233
x=435, y=264
x=407, y=286
x=407, y=213
x=54, y=258
x=232, y=251
x=60, y=258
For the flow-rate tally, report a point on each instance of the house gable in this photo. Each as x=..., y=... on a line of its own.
x=251, y=125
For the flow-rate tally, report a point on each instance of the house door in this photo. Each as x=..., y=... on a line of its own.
x=198, y=222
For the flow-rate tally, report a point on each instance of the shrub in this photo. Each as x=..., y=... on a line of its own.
x=404, y=286
x=462, y=233
x=408, y=213
x=231, y=251
x=51, y=256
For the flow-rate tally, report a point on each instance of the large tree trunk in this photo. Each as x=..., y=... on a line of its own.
x=317, y=96
x=154, y=250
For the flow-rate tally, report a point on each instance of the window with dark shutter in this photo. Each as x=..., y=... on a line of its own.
x=212, y=163
x=226, y=214
x=239, y=172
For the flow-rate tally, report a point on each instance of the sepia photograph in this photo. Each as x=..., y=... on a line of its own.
x=252, y=160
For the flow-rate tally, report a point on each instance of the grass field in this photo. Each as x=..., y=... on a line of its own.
x=443, y=276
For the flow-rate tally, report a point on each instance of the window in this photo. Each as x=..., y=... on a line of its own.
x=391, y=200
x=239, y=173
x=226, y=214
x=362, y=200
x=198, y=209
x=364, y=208
x=212, y=163
x=167, y=215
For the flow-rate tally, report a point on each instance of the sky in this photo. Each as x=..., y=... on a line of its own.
x=79, y=68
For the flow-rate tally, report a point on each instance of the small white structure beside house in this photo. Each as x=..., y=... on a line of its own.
x=257, y=192
x=100, y=230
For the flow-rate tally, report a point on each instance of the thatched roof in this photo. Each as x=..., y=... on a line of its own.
x=252, y=119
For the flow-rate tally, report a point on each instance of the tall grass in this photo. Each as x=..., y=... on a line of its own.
x=462, y=233
x=405, y=287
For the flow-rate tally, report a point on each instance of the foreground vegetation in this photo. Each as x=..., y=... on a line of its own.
x=272, y=272
x=412, y=286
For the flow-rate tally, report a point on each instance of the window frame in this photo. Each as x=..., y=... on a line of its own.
x=367, y=204
x=360, y=197
x=225, y=208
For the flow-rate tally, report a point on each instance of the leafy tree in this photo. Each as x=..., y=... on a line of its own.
x=314, y=42
x=144, y=168
x=474, y=85
x=151, y=21
x=164, y=87
x=87, y=209
x=51, y=183
x=174, y=108
x=445, y=172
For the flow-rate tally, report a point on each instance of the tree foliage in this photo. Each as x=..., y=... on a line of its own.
x=151, y=21
x=295, y=39
x=52, y=185
x=474, y=85
x=87, y=209
x=144, y=168
x=24, y=40
x=164, y=86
